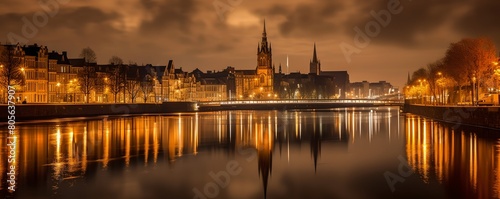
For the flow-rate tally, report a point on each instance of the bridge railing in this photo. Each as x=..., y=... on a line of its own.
x=302, y=101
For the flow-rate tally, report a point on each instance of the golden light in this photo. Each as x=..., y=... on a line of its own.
x=22, y=69
x=495, y=63
x=439, y=73
x=1, y=66
x=58, y=84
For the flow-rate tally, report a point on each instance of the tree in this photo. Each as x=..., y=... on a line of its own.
x=147, y=82
x=469, y=61
x=115, y=60
x=419, y=74
x=433, y=74
x=117, y=76
x=89, y=55
x=11, y=70
x=87, y=76
x=133, y=84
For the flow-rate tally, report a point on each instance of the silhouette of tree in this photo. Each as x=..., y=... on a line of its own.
x=11, y=67
x=133, y=84
x=115, y=60
x=89, y=55
x=147, y=83
x=117, y=76
x=87, y=76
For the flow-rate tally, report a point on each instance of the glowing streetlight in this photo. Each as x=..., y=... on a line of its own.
x=22, y=69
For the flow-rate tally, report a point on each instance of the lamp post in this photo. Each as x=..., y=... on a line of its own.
x=57, y=91
x=439, y=89
x=473, y=97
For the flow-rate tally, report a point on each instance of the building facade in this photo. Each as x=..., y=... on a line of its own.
x=258, y=83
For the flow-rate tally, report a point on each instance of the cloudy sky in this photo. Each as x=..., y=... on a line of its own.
x=213, y=34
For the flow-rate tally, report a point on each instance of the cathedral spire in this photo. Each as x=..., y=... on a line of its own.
x=264, y=34
x=315, y=56
x=408, y=81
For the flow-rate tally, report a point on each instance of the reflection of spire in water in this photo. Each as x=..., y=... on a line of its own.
x=315, y=148
x=265, y=166
x=264, y=145
x=316, y=140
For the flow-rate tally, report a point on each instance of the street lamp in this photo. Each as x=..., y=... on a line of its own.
x=57, y=91
x=441, y=92
x=474, y=90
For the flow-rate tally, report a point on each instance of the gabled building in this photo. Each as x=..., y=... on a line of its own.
x=63, y=75
x=36, y=65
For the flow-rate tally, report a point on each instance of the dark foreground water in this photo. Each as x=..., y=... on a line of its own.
x=343, y=153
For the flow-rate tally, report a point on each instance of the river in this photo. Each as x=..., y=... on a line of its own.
x=357, y=153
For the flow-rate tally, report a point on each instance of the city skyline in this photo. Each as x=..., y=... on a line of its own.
x=206, y=36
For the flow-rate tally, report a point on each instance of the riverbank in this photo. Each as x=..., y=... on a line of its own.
x=488, y=116
x=26, y=112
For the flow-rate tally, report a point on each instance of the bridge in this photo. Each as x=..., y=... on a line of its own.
x=287, y=104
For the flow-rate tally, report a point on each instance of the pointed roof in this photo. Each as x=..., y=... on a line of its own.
x=409, y=79
x=264, y=32
x=315, y=56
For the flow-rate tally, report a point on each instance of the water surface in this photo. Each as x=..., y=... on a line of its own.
x=340, y=153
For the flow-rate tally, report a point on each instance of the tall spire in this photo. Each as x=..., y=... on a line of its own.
x=264, y=34
x=315, y=56
x=264, y=45
x=408, y=81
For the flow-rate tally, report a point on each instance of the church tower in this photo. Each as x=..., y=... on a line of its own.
x=264, y=66
x=315, y=64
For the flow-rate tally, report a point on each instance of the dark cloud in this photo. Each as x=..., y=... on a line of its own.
x=481, y=20
x=79, y=18
x=172, y=15
x=306, y=19
x=416, y=17
x=82, y=21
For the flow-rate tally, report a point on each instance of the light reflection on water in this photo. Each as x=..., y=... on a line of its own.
x=465, y=160
x=298, y=154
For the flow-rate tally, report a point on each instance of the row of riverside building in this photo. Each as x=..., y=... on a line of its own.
x=51, y=77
